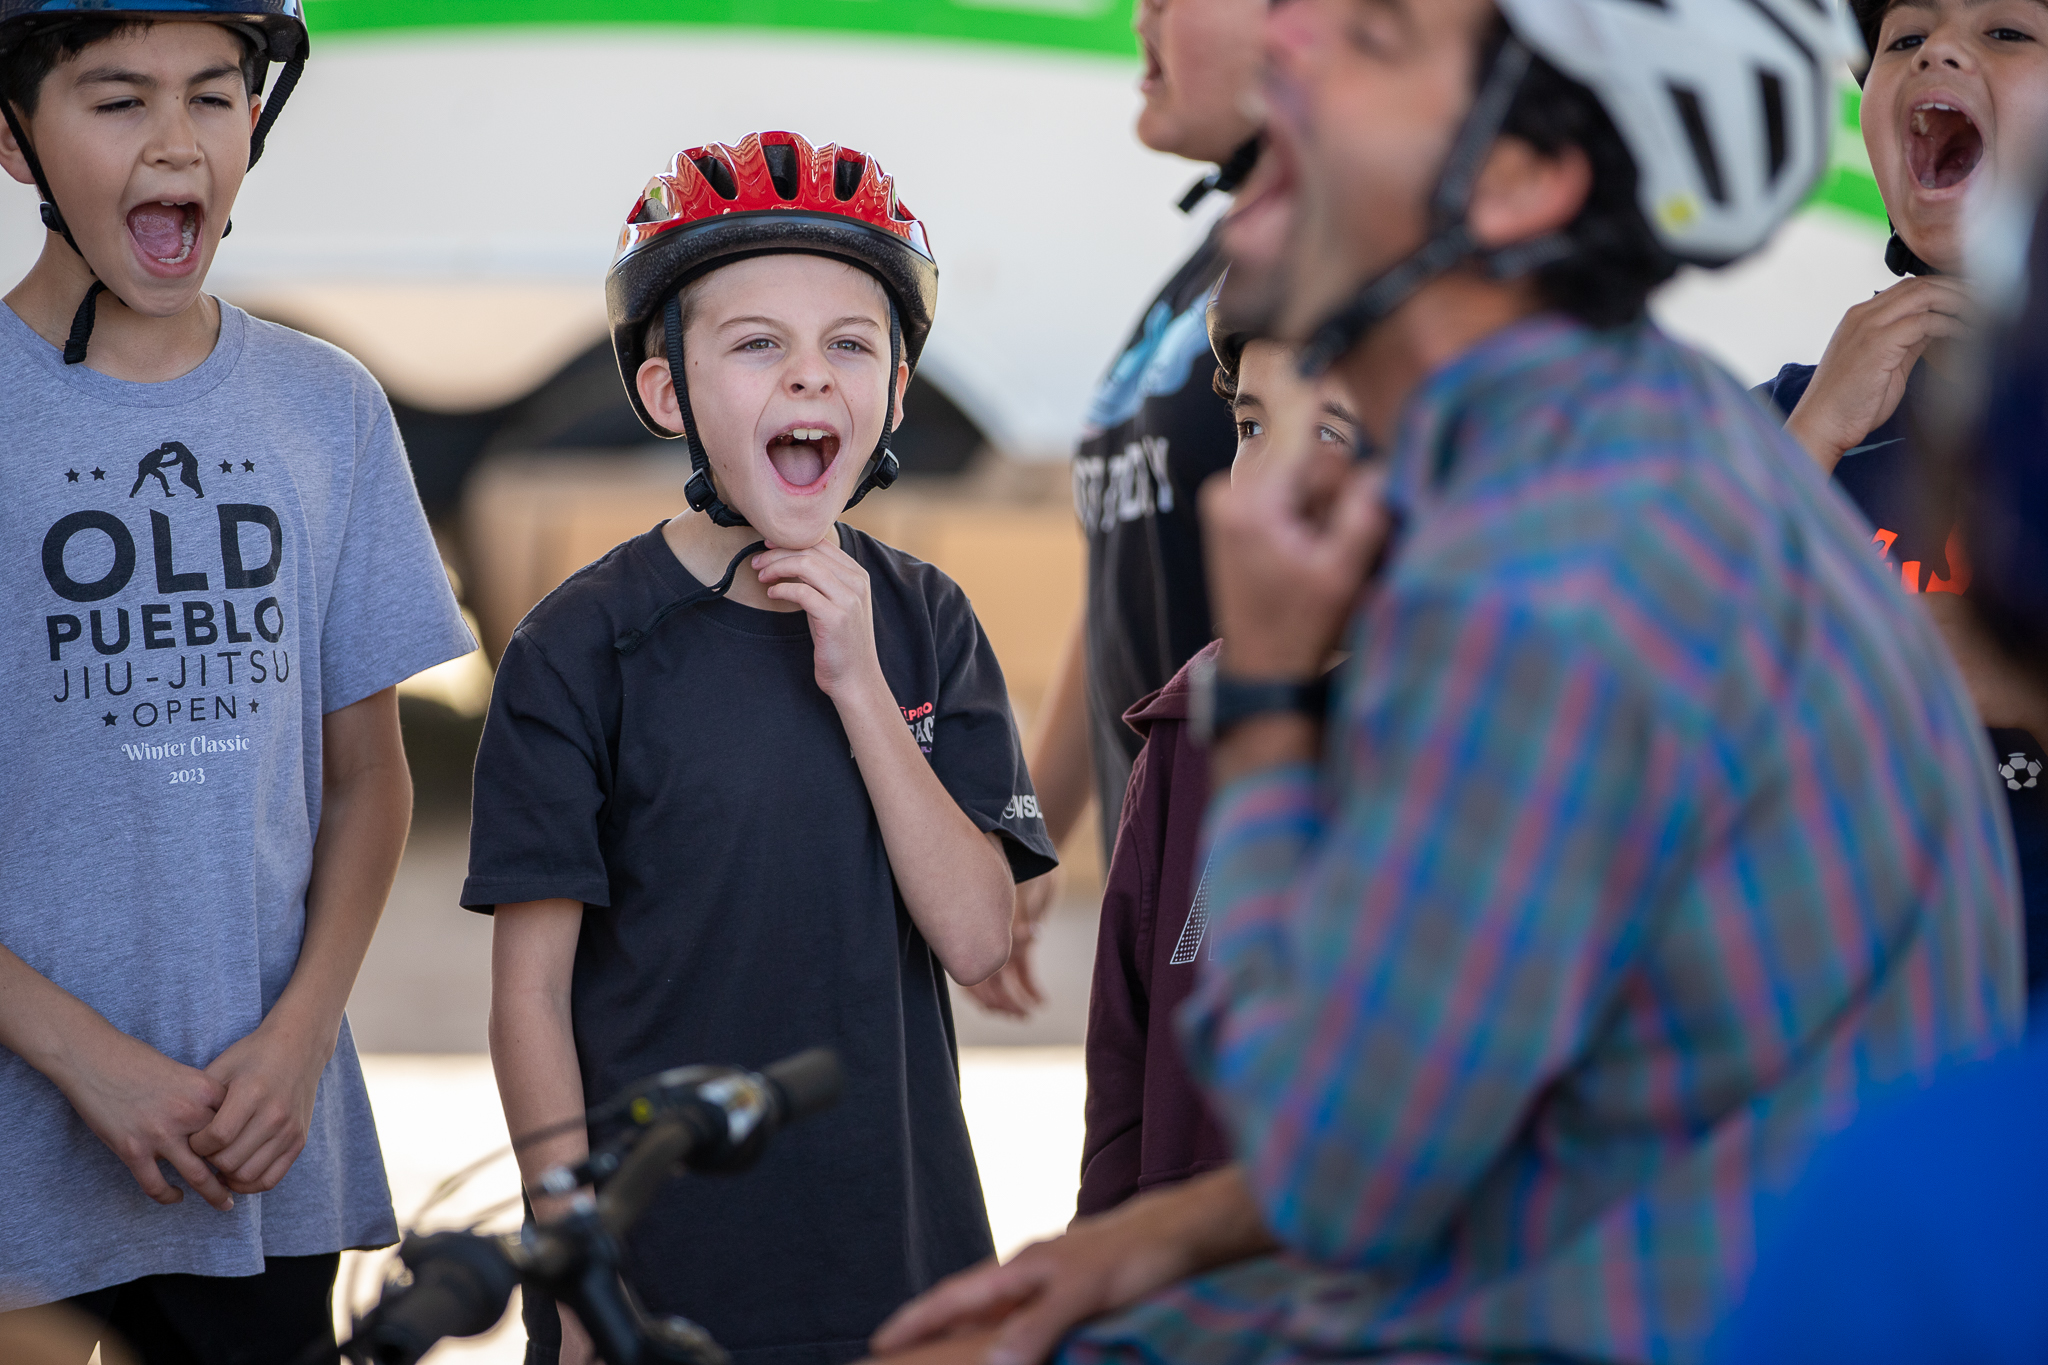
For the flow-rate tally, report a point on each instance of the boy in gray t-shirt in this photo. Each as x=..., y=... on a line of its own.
x=216, y=572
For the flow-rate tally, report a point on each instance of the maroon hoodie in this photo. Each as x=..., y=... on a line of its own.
x=1147, y=1123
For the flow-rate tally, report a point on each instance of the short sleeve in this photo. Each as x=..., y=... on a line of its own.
x=975, y=747
x=390, y=612
x=542, y=778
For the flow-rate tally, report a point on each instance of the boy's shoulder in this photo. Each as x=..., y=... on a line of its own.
x=904, y=576
x=614, y=593
x=309, y=359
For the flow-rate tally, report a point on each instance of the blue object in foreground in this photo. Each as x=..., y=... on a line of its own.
x=1921, y=1234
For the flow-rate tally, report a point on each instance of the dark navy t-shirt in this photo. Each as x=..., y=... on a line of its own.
x=699, y=796
x=1923, y=548
x=1156, y=430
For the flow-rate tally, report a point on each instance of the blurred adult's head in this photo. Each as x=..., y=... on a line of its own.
x=1956, y=95
x=1202, y=63
x=1413, y=142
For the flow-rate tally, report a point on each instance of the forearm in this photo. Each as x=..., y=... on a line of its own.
x=1826, y=452
x=366, y=810
x=1062, y=766
x=533, y=1047
x=41, y=1022
x=954, y=879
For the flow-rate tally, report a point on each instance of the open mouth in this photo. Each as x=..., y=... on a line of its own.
x=803, y=456
x=164, y=231
x=1153, y=70
x=1942, y=145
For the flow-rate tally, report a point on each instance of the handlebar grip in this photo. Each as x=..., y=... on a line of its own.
x=808, y=1083
x=461, y=1284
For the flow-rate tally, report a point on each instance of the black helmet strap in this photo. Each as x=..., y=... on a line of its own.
x=53, y=217
x=1450, y=242
x=702, y=493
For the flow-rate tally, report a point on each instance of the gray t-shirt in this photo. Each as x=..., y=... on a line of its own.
x=195, y=573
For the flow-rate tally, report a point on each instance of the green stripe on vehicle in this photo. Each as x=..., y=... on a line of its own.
x=1097, y=26
x=1848, y=184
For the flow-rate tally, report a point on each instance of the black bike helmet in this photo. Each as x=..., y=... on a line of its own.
x=766, y=194
x=277, y=28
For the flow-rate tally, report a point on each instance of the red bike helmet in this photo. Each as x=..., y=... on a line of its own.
x=772, y=192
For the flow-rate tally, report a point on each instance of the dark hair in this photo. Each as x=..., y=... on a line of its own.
x=25, y=66
x=1607, y=282
x=1870, y=18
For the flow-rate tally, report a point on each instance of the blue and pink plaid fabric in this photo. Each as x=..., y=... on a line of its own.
x=1653, y=839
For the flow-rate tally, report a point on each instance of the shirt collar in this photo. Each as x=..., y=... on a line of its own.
x=1470, y=414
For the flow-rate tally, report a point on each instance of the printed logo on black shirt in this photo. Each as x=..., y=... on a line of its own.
x=2020, y=772
x=919, y=719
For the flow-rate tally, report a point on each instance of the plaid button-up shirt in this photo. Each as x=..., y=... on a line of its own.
x=1652, y=839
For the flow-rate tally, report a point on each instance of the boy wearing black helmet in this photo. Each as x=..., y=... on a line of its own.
x=1953, y=103
x=224, y=571
x=750, y=781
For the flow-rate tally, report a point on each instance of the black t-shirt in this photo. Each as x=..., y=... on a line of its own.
x=1887, y=483
x=1156, y=430
x=699, y=796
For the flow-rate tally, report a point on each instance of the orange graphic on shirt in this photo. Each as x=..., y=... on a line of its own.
x=1958, y=581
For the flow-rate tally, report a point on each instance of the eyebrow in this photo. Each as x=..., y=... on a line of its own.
x=120, y=75
x=1340, y=412
x=1967, y=4
x=756, y=320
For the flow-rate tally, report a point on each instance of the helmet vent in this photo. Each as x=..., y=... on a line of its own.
x=1694, y=119
x=719, y=174
x=1773, y=92
x=781, y=159
x=846, y=177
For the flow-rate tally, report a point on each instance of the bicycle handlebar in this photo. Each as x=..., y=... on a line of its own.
x=704, y=1118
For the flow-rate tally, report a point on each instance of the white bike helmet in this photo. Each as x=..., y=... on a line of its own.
x=1726, y=107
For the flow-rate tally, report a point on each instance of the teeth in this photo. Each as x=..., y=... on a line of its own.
x=808, y=434
x=186, y=236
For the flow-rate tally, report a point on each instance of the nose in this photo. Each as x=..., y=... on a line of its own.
x=1943, y=48
x=174, y=139
x=808, y=375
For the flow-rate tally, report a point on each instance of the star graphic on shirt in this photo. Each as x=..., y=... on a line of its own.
x=107, y=719
x=226, y=468
x=71, y=476
x=248, y=466
x=99, y=475
x=252, y=707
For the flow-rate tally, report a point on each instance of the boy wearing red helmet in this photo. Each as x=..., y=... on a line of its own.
x=219, y=573
x=750, y=781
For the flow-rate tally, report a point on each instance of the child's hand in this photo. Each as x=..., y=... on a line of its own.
x=146, y=1108
x=833, y=591
x=271, y=1080
x=1862, y=375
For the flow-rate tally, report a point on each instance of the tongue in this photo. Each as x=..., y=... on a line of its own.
x=1945, y=148
x=159, y=230
x=800, y=462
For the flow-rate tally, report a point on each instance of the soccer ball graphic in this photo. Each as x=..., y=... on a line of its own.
x=2020, y=771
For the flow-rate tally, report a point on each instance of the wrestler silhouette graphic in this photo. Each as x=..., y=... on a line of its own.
x=169, y=454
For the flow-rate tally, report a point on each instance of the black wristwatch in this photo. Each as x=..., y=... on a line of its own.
x=1219, y=701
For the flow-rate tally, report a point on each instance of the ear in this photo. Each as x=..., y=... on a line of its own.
x=651, y=381
x=902, y=389
x=10, y=152
x=1522, y=194
x=255, y=113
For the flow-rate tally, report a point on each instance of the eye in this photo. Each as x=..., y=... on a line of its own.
x=1906, y=42
x=758, y=344
x=1332, y=436
x=2009, y=35
x=851, y=346
x=1248, y=427
x=115, y=106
